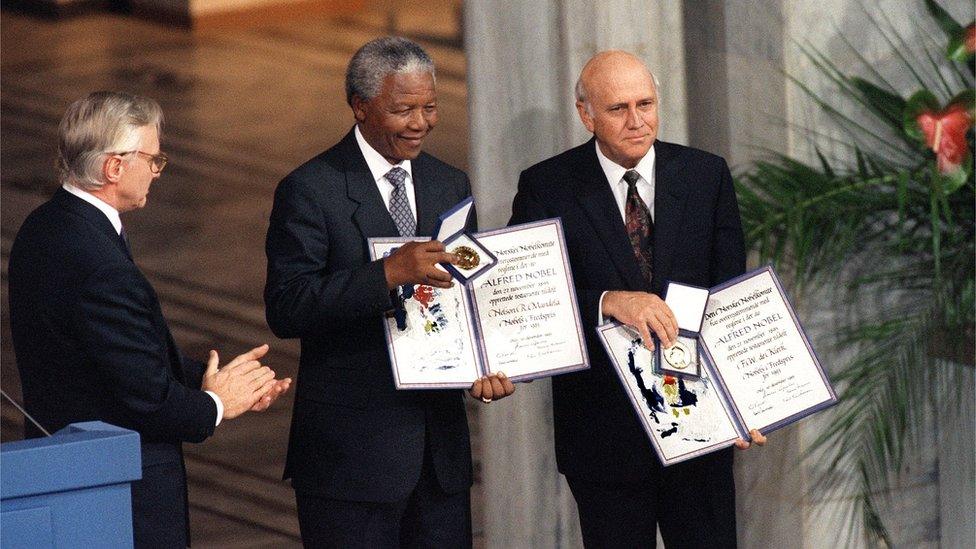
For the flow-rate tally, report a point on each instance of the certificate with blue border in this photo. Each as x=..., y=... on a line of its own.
x=519, y=317
x=759, y=371
x=683, y=417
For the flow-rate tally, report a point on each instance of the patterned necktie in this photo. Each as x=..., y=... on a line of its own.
x=399, y=206
x=640, y=228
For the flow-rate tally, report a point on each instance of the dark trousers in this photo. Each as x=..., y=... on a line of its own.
x=159, y=509
x=428, y=517
x=693, y=503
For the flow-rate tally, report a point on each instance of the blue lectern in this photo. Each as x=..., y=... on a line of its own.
x=70, y=489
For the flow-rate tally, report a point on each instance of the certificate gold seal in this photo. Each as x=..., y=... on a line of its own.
x=677, y=355
x=467, y=258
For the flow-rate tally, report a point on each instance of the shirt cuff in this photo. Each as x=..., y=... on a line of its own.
x=220, y=406
x=599, y=310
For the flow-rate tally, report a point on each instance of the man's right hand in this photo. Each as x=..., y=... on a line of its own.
x=644, y=311
x=241, y=383
x=415, y=263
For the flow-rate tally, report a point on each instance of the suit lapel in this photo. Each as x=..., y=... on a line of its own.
x=93, y=215
x=596, y=198
x=669, y=201
x=73, y=204
x=430, y=203
x=371, y=216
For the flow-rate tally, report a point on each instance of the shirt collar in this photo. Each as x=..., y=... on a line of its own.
x=378, y=166
x=109, y=211
x=615, y=172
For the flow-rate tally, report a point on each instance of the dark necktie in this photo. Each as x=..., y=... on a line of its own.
x=640, y=228
x=399, y=206
x=125, y=242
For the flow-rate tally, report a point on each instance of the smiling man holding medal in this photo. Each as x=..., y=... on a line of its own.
x=371, y=466
x=637, y=213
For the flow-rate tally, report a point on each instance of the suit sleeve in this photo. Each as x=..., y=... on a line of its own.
x=303, y=295
x=194, y=371
x=114, y=321
x=728, y=247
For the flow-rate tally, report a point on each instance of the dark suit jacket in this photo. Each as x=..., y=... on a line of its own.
x=697, y=240
x=91, y=343
x=353, y=435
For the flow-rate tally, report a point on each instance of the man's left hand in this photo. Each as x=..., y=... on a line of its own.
x=757, y=437
x=279, y=388
x=492, y=387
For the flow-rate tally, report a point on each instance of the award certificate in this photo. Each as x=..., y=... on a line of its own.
x=758, y=371
x=761, y=355
x=519, y=316
x=684, y=418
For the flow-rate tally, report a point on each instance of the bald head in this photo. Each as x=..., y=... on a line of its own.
x=616, y=97
x=610, y=61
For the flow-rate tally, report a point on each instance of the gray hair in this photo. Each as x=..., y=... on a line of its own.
x=380, y=58
x=581, y=90
x=104, y=122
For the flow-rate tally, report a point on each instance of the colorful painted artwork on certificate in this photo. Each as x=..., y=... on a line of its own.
x=683, y=417
x=519, y=316
x=431, y=336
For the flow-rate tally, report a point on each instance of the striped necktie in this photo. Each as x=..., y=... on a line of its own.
x=399, y=205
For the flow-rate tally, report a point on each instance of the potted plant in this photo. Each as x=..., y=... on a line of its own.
x=890, y=226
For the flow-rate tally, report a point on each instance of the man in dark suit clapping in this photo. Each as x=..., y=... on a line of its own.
x=88, y=332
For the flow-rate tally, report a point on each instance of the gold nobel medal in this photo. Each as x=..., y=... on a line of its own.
x=467, y=258
x=677, y=355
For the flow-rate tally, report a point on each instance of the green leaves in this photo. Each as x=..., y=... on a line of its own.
x=960, y=46
x=958, y=50
x=945, y=21
x=885, y=223
x=920, y=102
x=886, y=104
x=954, y=180
x=966, y=98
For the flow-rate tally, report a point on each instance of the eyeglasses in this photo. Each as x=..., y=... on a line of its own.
x=156, y=161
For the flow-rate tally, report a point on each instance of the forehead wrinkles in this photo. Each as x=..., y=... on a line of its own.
x=624, y=88
x=617, y=73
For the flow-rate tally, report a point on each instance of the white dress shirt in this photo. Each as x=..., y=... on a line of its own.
x=113, y=216
x=379, y=166
x=615, y=178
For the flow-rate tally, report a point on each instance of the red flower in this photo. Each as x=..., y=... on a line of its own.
x=945, y=134
x=969, y=38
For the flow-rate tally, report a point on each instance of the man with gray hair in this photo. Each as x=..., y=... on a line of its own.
x=88, y=332
x=371, y=466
